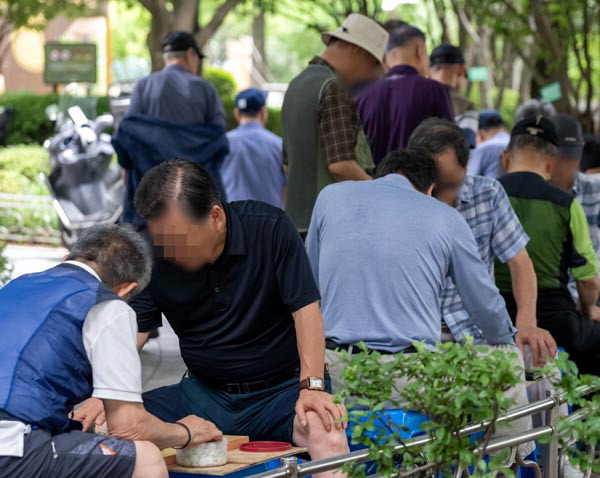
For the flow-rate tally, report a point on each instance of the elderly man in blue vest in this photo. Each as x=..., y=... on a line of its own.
x=69, y=334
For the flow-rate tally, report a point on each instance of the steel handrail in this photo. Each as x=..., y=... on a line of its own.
x=291, y=469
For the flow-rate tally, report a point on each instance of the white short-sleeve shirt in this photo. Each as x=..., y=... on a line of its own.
x=110, y=341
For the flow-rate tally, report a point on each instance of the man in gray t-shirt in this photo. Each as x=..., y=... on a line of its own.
x=176, y=93
x=381, y=252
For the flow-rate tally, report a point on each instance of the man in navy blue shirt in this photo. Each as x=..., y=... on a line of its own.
x=176, y=93
x=393, y=106
x=173, y=113
x=253, y=169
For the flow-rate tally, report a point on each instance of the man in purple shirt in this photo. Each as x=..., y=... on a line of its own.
x=392, y=107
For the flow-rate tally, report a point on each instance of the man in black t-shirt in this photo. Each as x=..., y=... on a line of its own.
x=235, y=283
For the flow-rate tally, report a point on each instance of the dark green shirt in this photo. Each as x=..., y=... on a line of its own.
x=558, y=230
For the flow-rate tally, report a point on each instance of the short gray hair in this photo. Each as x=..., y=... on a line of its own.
x=173, y=55
x=119, y=253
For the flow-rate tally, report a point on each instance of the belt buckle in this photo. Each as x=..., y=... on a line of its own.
x=234, y=388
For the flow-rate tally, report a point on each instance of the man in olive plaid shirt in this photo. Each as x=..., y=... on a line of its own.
x=483, y=203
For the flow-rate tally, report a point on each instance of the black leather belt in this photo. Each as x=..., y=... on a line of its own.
x=239, y=388
x=331, y=345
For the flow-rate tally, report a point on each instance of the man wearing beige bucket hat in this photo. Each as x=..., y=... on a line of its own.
x=323, y=140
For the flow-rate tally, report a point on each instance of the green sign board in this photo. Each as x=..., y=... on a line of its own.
x=477, y=73
x=551, y=92
x=70, y=62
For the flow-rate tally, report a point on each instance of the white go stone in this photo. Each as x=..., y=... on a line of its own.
x=207, y=454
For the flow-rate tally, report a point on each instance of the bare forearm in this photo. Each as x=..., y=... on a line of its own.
x=137, y=424
x=588, y=294
x=347, y=171
x=311, y=340
x=524, y=286
x=142, y=338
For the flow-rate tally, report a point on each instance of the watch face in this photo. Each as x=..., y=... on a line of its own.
x=315, y=383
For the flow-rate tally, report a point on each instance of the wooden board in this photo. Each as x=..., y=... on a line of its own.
x=233, y=443
x=236, y=460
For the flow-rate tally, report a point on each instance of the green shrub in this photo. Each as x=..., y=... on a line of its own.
x=29, y=123
x=222, y=80
x=5, y=267
x=20, y=167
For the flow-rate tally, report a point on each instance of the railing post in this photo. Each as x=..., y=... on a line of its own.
x=552, y=416
x=290, y=464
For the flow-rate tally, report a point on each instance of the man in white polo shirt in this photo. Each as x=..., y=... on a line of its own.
x=69, y=334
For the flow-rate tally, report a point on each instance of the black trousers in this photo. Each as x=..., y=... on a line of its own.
x=579, y=336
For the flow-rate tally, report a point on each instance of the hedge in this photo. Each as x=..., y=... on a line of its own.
x=29, y=124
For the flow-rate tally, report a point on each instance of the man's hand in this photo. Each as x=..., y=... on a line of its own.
x=593, y=312
x=322, y=404
x=90, y=413
x=202, y=430
x=541, y=342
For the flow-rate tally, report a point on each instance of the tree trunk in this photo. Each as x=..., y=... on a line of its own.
x=182, y=16
x=5, y=30
x=259, y=57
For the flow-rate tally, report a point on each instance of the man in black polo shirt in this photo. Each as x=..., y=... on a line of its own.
x=235, y=283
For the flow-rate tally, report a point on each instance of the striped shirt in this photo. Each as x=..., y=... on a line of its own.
x=483, y=203
x=587, y=191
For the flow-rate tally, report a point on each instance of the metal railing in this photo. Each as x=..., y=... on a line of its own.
x=552, y=462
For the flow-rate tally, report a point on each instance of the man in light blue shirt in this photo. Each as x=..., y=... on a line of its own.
x=381, y=252
x=492, y=139
x=254, y=168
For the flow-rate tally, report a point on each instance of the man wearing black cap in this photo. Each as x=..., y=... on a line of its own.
x=176, y=93
x=447, y=65
x=559, y=242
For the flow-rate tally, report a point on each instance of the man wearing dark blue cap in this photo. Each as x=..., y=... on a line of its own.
x=559, y=243
x=176, y=93
x=253, y=169
x=492, y=139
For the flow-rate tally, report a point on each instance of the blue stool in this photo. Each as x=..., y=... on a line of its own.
x=404, y=422
x=407, y=424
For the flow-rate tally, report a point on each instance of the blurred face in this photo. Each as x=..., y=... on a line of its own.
x=359, y=66
x=422, y=57
x=450, y=177
x=190, y=243
x=192, y=60
x=454, y=76
x=564, y=171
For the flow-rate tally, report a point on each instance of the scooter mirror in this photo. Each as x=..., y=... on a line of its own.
x=78, y=116
x=52, y=112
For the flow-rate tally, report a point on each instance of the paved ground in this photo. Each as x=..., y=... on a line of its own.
x=161, y=361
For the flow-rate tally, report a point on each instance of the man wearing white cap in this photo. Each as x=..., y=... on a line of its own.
x=323, y=140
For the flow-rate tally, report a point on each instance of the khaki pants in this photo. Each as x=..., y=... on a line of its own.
x=518, y=393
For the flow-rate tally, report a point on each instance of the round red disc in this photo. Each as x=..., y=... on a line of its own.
x=265, y=446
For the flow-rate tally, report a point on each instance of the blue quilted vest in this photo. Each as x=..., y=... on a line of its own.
x=44, y=369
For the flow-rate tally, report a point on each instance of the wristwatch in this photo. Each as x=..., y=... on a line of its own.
x=313, y=383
